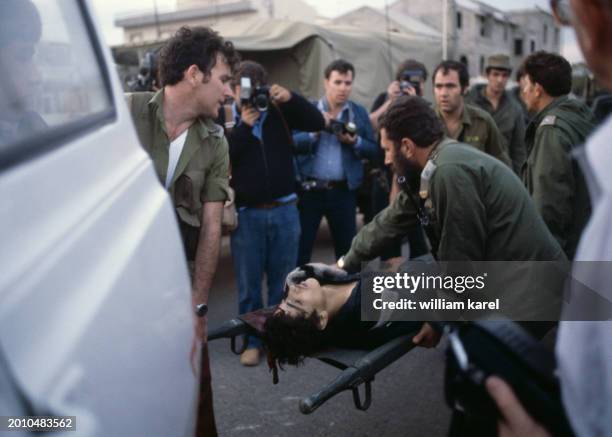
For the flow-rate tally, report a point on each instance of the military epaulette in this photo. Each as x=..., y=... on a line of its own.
x=549, y=120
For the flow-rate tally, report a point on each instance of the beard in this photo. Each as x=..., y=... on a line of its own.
x=408, y=174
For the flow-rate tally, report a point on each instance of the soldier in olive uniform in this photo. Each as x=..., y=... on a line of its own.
x=465, y=123
x=561, y=123
x=191, y=159
x=472, y=206
x=468, y=223
x=506, y=112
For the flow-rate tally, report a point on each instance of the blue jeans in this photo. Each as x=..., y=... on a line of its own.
x=339, y=206
x=266, y=241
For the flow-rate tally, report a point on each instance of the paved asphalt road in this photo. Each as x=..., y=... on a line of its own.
x=407, y=397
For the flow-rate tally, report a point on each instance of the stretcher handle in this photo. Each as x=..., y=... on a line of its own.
x=347, y=378
x=229, y=329
x=362, y=371
x=368, y=397
x=242, y=348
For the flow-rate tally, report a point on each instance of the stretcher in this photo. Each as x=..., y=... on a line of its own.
x=357, y=367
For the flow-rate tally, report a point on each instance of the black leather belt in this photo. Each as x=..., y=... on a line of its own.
x=318, y=185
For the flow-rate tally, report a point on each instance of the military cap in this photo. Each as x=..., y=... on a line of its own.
x=499, y=62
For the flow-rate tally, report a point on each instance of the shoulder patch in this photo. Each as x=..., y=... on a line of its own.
x=549, y=120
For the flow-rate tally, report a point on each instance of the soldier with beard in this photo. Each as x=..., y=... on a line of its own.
x=472, y=206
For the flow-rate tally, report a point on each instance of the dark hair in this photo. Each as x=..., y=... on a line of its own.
x=412, y=117
x=553, y=72
x=19, y=20
x=194, y=46
x=459, y=67
x=341, y=66
x=520, y=72
x=289, y=339
x=254, y=71
x=410, y=64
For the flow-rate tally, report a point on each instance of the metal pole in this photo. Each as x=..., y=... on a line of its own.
x=444, y=29
x=156, y=19
x=389, y=38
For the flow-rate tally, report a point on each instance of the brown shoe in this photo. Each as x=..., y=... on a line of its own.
x=250, y=357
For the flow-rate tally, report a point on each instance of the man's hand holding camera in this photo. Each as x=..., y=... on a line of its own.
x=342, y=134
x=280, y=94
x=347, y=138
x=249, y=115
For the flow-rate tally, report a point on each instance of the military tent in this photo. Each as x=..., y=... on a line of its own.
x=295, y=54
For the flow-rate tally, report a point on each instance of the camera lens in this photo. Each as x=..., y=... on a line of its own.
x=261, y=102
x=337, y=128
x=350, y=128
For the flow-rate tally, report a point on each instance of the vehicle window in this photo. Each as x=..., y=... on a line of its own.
x=50, y=76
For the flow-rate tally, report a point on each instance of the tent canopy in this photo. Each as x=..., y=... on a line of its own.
x=295, y=54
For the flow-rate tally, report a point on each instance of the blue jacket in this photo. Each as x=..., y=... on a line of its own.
x=365, y=148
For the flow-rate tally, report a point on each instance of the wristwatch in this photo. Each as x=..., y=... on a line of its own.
x=201, y=310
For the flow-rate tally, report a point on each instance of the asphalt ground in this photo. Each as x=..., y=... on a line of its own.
x=407, y=396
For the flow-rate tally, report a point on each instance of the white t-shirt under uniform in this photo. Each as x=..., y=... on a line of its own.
x=174, y=153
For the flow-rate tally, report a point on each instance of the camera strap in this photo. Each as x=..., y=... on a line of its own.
x=285, y=125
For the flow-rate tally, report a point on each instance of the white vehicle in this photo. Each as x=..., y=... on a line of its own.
x=95, y=308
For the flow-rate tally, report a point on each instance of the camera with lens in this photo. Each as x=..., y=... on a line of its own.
x=503, y=348
x=338, y=127
x=258, y=97
x=411, y=79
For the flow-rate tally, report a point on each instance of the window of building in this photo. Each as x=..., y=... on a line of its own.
x=518, y=47
x=483, y=26
x=459, y=20
x=505, y=31
x=482, y=64
x=545, y=36
x=533, y=46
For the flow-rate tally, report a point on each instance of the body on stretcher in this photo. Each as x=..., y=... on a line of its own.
x=358, y=366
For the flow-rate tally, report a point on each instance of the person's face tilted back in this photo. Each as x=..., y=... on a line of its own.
x=304, y=299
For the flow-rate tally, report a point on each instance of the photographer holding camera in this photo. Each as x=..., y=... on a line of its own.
x=261, y=157
x=409, y=80
x=330, y=167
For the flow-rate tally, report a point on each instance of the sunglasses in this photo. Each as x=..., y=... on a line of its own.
x=562, y=12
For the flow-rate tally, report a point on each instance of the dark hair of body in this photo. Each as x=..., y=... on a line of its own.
x=289, y=339
x=194, y=46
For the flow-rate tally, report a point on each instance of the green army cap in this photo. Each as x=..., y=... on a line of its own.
x=499, y=62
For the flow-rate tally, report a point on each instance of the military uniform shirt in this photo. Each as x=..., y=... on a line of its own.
x=510, y=121
x=202, y=171
x=479, y=130
x=481, y=212
x=557, y=188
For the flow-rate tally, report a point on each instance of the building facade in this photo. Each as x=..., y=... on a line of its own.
x=151, y=26
x=474, y=30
